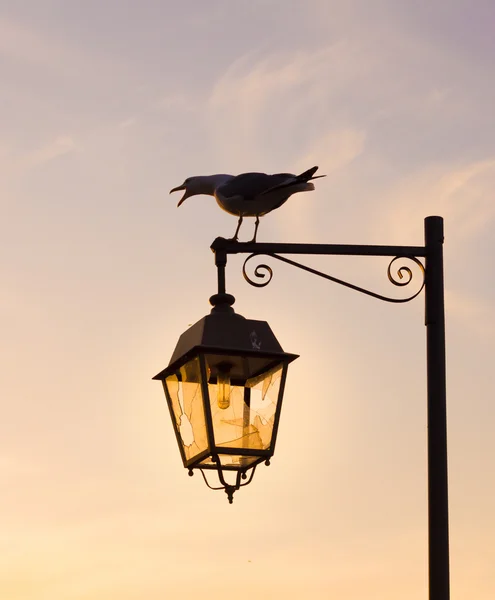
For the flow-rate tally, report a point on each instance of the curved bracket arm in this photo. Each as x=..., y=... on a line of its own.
x=263, y=269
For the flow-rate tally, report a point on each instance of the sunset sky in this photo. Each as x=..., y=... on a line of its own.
x=104, y=107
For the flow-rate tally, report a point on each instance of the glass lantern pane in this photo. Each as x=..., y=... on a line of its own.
x=264, y=398
x=246, y=425
x=184, y=393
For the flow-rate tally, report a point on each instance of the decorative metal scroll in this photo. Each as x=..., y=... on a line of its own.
x=401, y=278
x=227, y=487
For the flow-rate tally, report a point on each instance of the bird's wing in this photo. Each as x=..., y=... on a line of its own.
x=250, y=185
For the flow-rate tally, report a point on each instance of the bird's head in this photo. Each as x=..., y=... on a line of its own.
x=201, y=184
x=190, y=188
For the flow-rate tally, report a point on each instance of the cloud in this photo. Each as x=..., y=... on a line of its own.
x=127, y=123
x=61, y=145
x=176, y=101
x=282, y=113
x=335, y=149
x=276, y=108
x=462, y=194
x=14, y=164
x=402, y=90
x=20, y=43
x=31, y=46
x=333, y=152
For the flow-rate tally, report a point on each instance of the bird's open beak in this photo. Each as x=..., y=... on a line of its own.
x=179, y=188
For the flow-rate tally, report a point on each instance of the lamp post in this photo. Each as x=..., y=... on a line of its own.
x=222, y=360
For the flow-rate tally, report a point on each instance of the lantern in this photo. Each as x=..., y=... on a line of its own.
x=224, y=388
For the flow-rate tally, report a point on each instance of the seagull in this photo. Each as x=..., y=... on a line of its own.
x=248, y=194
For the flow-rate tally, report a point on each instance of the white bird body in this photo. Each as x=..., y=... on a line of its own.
x=249, y=194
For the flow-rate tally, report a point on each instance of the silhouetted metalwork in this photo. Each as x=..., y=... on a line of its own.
x=223, y=361
x=432, y=283
x=438, y=496
x=262, y=270
x=228, y=487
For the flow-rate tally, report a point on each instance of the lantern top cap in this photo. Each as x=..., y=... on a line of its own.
x=227, y=333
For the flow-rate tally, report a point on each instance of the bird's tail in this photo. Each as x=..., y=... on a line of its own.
x=308, y=175
x=296, y=181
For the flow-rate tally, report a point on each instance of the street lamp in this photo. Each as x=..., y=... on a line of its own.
x=223, y=361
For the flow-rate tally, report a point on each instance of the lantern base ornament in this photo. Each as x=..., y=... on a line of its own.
x=228, y=487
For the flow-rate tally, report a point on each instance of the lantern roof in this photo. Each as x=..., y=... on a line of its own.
x=224, y=331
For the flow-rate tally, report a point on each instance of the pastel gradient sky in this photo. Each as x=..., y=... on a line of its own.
x=105, y=106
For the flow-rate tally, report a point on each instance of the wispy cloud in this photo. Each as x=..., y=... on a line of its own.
x=61, y=145
x=333, y=152
x=26, y=44
x=335, y=149
x=261, y=107
x=14, y=163
x=21, y=43
x=282, y=112
x=462, y=194
x=127, y=123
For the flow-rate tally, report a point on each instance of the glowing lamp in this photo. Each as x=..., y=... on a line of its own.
x=224, y=387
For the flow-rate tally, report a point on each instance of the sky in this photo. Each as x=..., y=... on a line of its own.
x=104, y=107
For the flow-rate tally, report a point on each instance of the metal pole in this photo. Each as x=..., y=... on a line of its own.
x=221, y=263
x=221, y=301
x=438, y=508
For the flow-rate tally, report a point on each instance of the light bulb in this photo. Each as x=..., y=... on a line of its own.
x=223, y=388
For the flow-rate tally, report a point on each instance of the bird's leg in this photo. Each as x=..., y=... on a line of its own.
x=256, y=223
x=234, y=239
